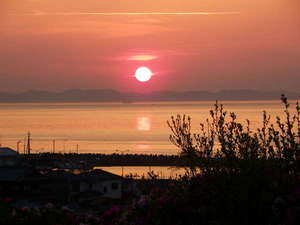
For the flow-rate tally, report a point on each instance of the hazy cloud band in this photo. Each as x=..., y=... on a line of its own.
x=124, y=13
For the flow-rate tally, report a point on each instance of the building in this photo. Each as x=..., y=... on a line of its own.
x=107, y=184
x=8, y=157
x=60, y=185
x=6, y=151
x=12, y=179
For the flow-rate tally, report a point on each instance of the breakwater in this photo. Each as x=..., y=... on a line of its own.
x=93, y=160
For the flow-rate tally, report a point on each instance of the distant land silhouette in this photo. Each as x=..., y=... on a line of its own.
x=108, y=95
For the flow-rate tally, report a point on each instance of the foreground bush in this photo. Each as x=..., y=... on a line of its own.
x=223, y=144
x=236, y=175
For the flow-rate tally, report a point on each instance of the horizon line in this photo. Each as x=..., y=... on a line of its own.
x=162, y=90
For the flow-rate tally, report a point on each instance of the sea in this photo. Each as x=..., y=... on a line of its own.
x=123, y=128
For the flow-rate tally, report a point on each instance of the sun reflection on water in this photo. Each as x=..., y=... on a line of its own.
x=142, y=147
x=143, y=123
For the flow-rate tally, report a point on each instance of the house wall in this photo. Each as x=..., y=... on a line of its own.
x=8, y=161
x=109, y=189
x=111, y=192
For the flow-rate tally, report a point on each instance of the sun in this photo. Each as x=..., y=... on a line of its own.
x=143, y=74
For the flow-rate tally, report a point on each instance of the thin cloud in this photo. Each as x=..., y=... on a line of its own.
x=151, y=55
x=142, y=57
x=39, y=13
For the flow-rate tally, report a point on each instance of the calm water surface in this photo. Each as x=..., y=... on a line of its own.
x=111, y=127
x=138, y=172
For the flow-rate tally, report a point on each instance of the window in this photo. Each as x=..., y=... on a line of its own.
x=114, y=186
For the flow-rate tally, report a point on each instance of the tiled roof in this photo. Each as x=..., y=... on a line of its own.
x=99, y=174
x=5, y=151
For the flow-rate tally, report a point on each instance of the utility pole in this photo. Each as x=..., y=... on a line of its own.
x=18, y=146
x=122, y=152
x=77, y=149
x=28, y=143
x=24, y=145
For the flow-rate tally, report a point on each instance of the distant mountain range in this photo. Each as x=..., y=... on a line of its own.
x=108, y=95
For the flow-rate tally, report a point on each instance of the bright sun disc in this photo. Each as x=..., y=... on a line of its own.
x=143, y=74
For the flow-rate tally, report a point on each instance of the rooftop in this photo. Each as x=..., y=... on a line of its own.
x=6, y=151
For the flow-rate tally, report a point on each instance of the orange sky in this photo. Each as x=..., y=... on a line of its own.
x=189, y=44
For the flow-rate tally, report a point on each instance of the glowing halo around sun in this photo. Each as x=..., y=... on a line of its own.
x=143, y=74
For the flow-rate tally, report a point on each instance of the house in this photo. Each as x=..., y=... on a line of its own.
x=107, y=184
x=54, y=184
x=11, y=179
x=59, y=185
x=62, y=184
x=6, y=151
x=8, y=157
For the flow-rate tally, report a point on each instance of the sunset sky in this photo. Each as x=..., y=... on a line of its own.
x=188, y=44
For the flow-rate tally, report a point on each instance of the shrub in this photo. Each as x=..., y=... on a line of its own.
x=234, y=174
x=223, y=144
